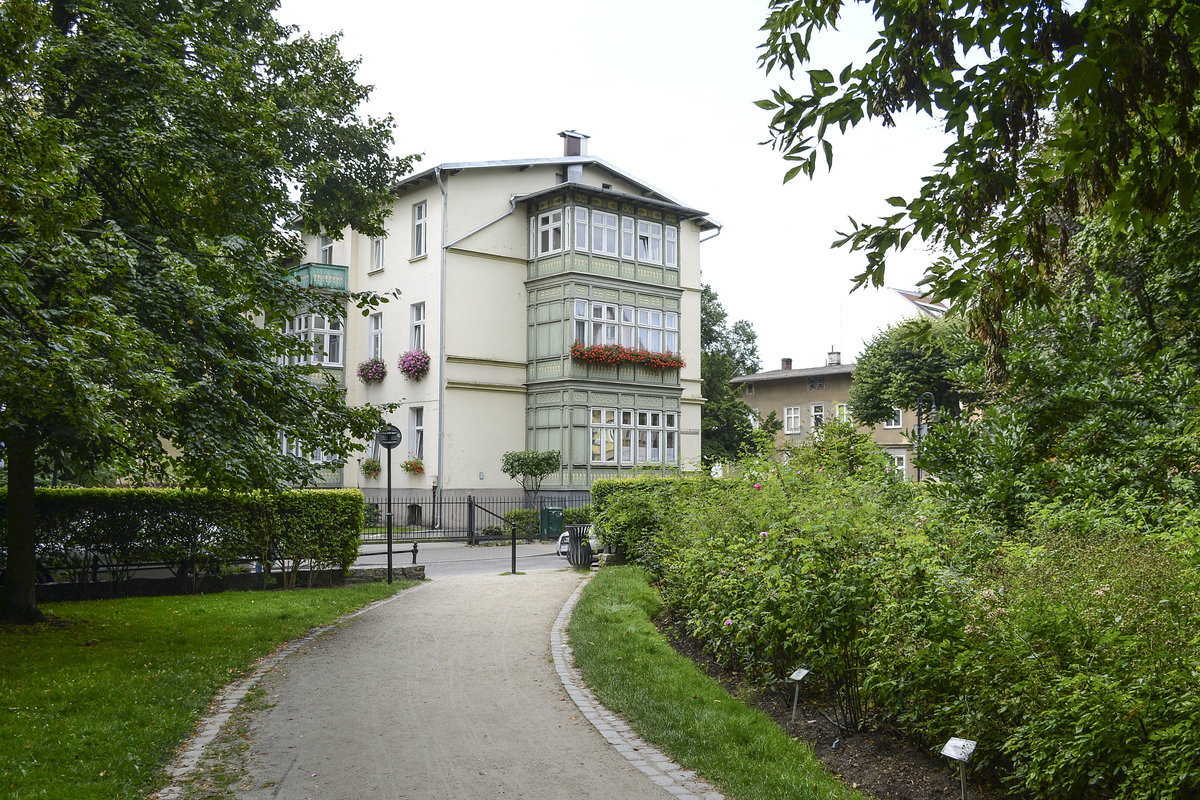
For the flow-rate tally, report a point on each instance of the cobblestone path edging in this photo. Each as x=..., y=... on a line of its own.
x=657, y=766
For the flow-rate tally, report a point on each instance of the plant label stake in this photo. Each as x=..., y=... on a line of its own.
x=796, y=677
x=389, y=438
x=960, y=750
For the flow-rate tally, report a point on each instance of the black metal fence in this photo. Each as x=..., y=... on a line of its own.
x=421, y=517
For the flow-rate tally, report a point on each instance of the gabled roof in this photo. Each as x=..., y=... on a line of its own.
x=794, y=374
x=649, y=194
x=924, y=303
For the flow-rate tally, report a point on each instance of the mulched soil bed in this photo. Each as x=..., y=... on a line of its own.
x=880, y=762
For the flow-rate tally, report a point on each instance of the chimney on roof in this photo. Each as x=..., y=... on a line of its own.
x=834, y=358
x=574, y=143
x=787, y=364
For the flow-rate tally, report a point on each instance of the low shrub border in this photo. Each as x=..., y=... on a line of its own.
x=1067, y=650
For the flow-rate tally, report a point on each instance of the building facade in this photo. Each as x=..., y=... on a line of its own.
x=805, y=399
x=558, y=303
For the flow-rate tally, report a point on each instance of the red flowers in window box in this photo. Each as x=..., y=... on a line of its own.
x=613, y=354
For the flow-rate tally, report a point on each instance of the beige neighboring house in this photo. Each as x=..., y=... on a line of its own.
x=502, y=266
x=804, y=399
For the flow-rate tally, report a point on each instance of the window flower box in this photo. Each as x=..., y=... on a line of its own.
x=614, y=354
x=371, y=467
x=414, y=364
x=413, y=466
x=373, y=370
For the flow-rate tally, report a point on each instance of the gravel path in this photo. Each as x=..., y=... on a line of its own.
x=449, y=691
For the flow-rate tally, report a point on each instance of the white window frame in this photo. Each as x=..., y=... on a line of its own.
x=841, y=412
x=604, y=433
x=550, y=232
x=628, y=238
x=375, y=335
x=626, y=437
x=581, y=228
x=604, y=329
x=580, y=316
x=376, y=253
x=605, y=233
x=292, y=448
x=899, y=461
x=420, y=229
x=326, y=336
x=628, y=326
x=897, y=420
x=670, y=437
x=416, y=432
x=416, y=335
x=817, y=412
x=326, y=250
x=792, y=420
x=671, y=246
x=650, y=332
x=649, y=241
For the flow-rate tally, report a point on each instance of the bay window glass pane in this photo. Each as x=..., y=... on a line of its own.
x=581, y=229
x=627, y=237
x=604, y=233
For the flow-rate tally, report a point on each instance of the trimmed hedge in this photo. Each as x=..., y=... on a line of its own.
x=194, y=533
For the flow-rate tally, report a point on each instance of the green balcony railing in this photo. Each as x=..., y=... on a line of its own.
x=323, y=276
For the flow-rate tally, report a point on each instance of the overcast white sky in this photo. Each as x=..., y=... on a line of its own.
x=666, y=91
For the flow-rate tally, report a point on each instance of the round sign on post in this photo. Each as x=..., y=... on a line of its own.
x=389, y=437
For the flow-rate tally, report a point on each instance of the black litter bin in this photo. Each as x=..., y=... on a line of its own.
x=579, y=545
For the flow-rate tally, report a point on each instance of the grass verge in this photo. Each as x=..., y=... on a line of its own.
x=94, y=702
x=672, y=704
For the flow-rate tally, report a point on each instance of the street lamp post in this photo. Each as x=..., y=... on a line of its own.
x=389, y=438
x=921, y=426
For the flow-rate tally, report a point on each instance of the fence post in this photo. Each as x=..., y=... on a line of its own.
x=471, y=519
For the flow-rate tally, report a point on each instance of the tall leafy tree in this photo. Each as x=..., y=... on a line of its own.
x=726, y=351
x=1057, y=110
x=152, y=154
x=1100, y=407
x=906, y=360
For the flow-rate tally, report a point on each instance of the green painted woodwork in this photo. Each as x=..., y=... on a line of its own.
x=323, y=276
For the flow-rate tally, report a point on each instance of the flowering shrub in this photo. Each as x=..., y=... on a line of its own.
x=413, y=466
x=373, y=370
x=415, y=364
x=614, y=354
x=370, y=467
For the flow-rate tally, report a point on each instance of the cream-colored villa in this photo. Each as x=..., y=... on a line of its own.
x=554, y=298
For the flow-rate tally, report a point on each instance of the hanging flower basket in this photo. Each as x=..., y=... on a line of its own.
x=413, y=466
x=370, y=467
x=614, y=354
x=415, y=364
x=373, y=370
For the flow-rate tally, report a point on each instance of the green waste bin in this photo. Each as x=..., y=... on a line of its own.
x=551, y=523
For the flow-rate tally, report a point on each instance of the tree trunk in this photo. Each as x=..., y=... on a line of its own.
x=18, y=603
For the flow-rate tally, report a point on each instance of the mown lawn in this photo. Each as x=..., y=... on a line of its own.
x=670, y=703
x=94, y=702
